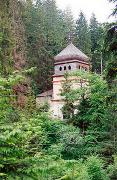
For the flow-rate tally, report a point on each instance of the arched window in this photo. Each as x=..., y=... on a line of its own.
x=85, y=69
x=60, y=68
x=64, y=67
x=69, y=67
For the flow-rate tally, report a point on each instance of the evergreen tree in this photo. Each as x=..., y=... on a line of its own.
x=69, y=24
x=94, y=25
x=83, y=41
x=111, y=76
x=6, y=39
x=56, y=33
x=13, y=47
x=96, y=33
x=33, y=20
x=19, y=51
x=46, y=32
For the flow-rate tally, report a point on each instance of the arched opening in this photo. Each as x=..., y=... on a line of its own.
x=64, y=67
x=85, y=69
x=69, y=67
x=60, y=68
x=79, y=66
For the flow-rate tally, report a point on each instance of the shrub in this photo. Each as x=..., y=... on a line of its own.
x=95, y=168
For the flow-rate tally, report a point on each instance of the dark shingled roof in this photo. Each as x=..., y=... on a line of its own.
x=47, y=93
x=70, y=53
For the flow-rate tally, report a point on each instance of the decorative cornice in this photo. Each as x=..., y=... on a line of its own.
x=71, y=61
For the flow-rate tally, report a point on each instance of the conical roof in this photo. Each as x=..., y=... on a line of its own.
x=71, y=53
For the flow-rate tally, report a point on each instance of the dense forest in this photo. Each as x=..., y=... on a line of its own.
x=32, y=144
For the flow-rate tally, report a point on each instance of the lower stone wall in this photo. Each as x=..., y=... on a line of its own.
x=56, y=109
x=40, y=101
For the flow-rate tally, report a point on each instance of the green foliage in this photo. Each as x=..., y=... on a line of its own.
x=72, y=143
x=45, y=42
x=6, y=94
x=96, y=32
x=110, y=45
x=44, y=108
x=95, y=169
x=69, y=24
x=6, y=39
x=68, y=106
x=32, y=144
x=83, y=40
x=112, y=169
x=90, y=104
x=92, y=96
x=111, y=77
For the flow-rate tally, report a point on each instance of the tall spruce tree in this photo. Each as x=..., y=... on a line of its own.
x=6, y=39
x=19, y=51
x=83, y=41
x=12, y=42
x=59, y=23
x=96, y=33
x=110, y=51
x=69, y=24
x=33, y=20
x=46, y=31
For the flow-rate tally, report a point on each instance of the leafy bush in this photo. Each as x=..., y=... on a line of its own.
x=72, y=142
x=95, y=169
x=112, y=169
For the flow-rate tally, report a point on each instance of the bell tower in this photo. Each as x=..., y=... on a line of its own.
x=69, y=59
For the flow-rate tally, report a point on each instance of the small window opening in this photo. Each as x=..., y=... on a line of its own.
x=85, y=69
x=60, y=68
x=69, y=67
x=79, y=66
x=64, y=67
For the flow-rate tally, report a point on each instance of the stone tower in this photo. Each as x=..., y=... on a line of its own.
x=69, y=59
